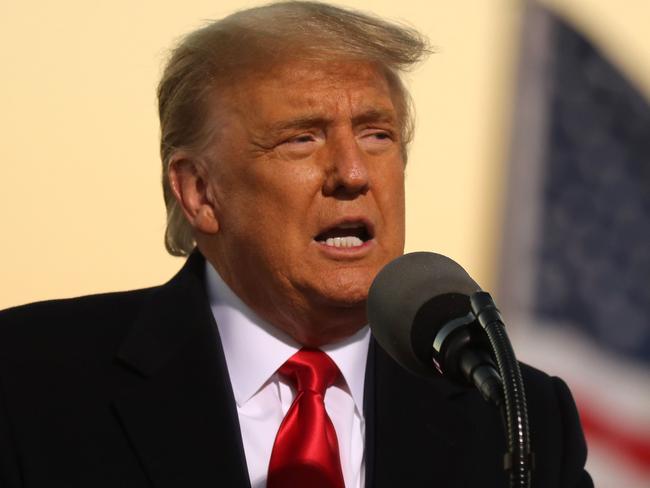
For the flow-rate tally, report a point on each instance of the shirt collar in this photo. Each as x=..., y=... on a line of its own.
x=351, y=356
x=254, y=349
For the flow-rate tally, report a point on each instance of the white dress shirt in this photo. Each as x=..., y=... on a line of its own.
x=254, y=350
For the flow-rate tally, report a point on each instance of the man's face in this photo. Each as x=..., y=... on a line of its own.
x=307, y=177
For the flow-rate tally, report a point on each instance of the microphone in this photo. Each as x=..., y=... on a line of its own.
x=420, y=313
x=431, y=317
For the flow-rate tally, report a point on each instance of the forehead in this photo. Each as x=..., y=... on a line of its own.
x=330, y=88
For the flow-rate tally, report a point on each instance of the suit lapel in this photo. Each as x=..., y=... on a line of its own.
x=182, y=422
x=413, y=431
x=181, y=419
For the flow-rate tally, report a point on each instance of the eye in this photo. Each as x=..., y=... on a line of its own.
x=302, y=139
x=301, y=145
x=377, y=134
x=376, y=140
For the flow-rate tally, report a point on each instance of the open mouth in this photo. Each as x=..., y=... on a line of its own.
x=346, y=235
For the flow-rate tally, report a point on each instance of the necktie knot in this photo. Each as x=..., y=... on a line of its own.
x=306, y=451
x=310, y=369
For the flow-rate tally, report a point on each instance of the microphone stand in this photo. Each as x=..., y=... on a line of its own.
x=519, y=459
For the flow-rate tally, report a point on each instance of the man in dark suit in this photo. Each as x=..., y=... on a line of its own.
x=284, y=134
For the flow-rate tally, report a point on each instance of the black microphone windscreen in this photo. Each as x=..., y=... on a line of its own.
x=411, y=298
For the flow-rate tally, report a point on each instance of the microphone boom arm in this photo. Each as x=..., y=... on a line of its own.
x=519, y=460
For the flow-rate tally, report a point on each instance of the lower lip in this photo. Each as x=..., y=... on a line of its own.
x=346, y=252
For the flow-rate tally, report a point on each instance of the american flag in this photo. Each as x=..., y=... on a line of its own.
x=575, y=269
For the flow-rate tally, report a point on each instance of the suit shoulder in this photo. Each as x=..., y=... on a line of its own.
x=555, y=429
x=55, y=324
x=533, y=375
x=89, y=306
x=538, y=382
x=541, y=388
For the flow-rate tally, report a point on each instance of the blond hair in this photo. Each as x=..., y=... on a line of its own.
x=222, y=51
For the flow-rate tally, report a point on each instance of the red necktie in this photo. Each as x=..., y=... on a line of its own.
x=306, y=451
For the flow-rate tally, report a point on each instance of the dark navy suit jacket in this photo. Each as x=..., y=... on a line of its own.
x=131, y=390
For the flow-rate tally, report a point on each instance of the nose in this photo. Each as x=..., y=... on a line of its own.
x=347, y=172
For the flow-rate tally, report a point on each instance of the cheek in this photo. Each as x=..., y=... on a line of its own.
x=392, y=191
x=392, y=207
x=286, y=193
x=275, y=204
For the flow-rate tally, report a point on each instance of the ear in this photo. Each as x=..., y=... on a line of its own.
x=189, y=181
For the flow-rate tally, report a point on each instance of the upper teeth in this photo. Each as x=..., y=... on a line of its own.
x=347, y=241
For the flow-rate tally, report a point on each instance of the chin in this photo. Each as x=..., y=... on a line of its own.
x=350, y=294
x=342, y=290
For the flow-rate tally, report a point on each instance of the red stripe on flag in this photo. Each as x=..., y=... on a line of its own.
x=635, y=448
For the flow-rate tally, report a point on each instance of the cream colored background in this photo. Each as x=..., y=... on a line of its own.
x=80, y=204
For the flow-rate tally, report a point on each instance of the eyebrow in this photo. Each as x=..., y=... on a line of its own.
x=374, y=115
x=308, y=121
x=299, y=123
